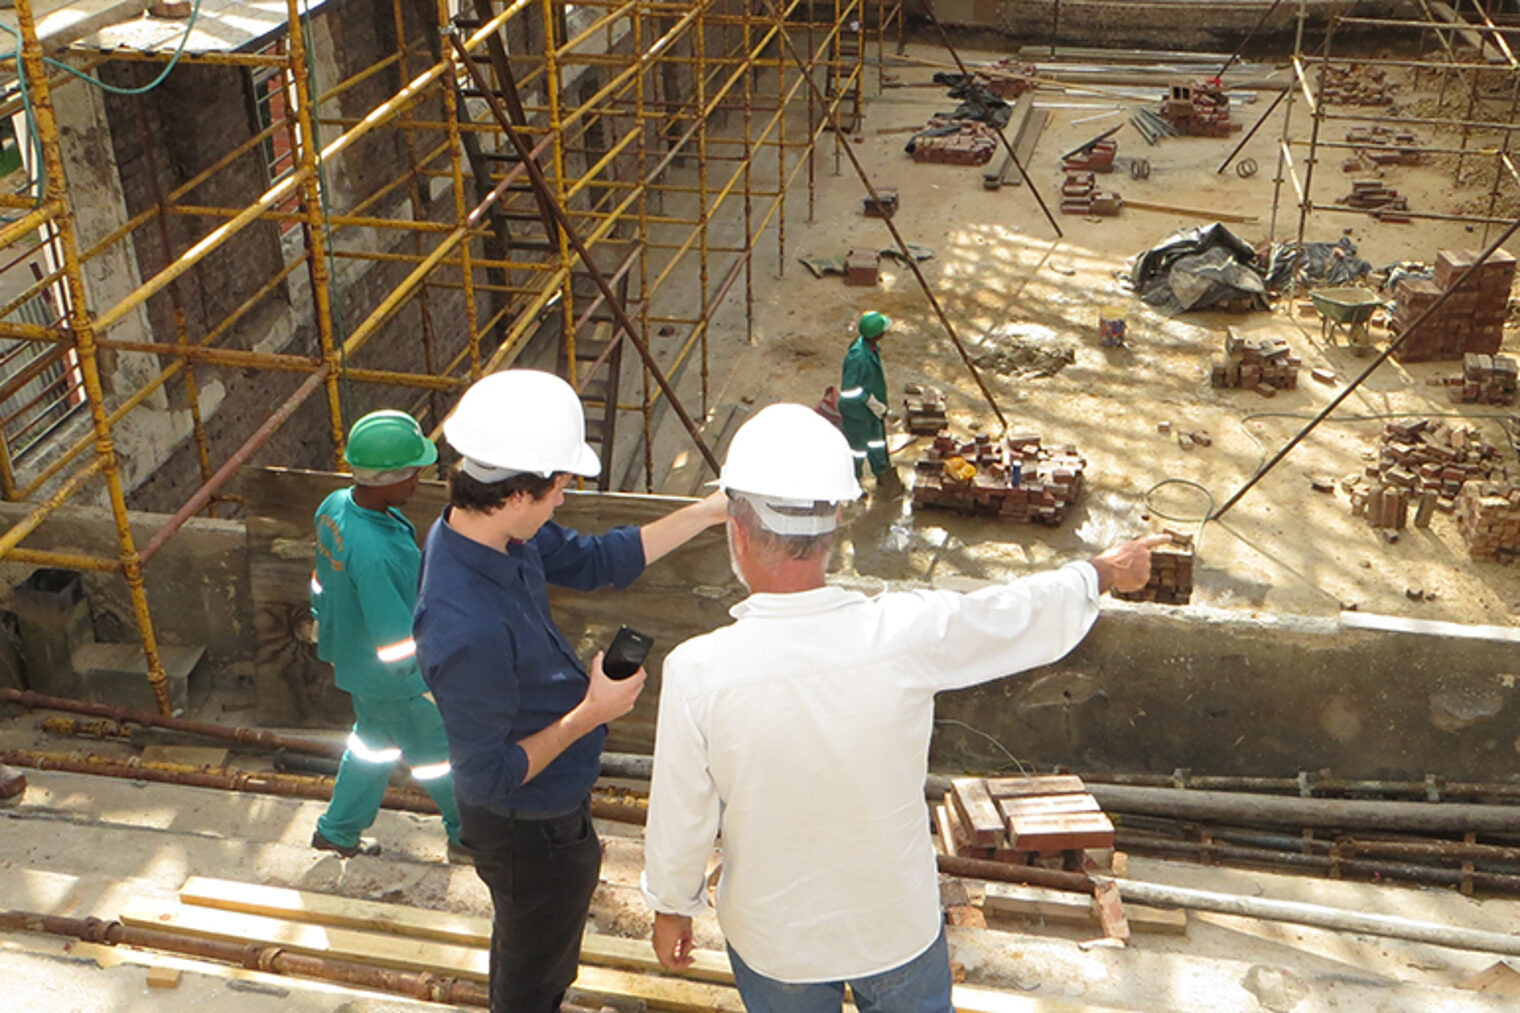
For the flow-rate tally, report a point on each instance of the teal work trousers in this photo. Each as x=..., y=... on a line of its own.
x=385, y=732
x=868, y=442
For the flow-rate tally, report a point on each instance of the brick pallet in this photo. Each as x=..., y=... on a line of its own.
x=1022, y=820
x=1470, y=320
x=1017, y=480
x=924, y=409
x=1425, y=464
x=1355, y=85
x=1256, y=363
x=1488, y=516
x=1171, y=580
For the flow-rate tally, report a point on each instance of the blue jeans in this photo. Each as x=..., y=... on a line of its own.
x=922, y=985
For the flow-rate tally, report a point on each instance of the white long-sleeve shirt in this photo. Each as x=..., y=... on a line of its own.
x=802, y=731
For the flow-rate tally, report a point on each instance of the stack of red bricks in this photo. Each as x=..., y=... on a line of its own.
x=1017, y=480
x=972, y=144
x=1488, y=516
x=1470, y=320
x=1022, y=820
x=1080, y=196
x=1171, y=580
x=1007, y=78
x=1485, y=379
x=1265, y=365
x=1199, y=109
x=1424, y=463
x=924, y=409
x=1355, y=85
x=1383, y=202
x=1098, y=158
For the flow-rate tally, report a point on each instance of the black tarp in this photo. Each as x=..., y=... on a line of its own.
x=1198, y=268
x=1316, y=265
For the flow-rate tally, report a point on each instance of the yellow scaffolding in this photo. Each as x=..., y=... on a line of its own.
x=607, y=149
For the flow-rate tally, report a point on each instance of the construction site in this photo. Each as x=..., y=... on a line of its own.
x=1238, y=272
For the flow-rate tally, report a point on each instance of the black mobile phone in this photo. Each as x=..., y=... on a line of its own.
x=626, y=654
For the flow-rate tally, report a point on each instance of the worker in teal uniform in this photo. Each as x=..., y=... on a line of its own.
x=863, y=397
x=363, y=591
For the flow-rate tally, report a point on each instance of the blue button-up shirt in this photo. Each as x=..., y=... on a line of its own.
x=500, y=668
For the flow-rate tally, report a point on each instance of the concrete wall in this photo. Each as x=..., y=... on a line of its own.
x=1152, y=688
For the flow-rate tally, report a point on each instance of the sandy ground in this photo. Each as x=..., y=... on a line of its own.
x=1006, y=280
x=80, y=846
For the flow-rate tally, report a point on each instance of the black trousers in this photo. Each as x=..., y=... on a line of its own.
x=541, y=874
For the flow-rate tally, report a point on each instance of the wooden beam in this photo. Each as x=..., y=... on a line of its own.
x=1173, y=209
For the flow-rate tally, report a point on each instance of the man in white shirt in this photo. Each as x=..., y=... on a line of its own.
x=802, y=732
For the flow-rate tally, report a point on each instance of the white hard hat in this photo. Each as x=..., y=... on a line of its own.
x=789, y=456
x=520, y=420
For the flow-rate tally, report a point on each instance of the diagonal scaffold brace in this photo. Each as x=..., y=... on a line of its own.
x=546, y=196
x=830, y=111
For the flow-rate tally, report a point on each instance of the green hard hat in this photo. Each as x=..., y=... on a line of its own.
x=387, y=440
x=874, y=324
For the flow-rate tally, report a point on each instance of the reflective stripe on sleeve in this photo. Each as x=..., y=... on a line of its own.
x=367, y=754
x=399, y=651
x=876, y=444
x=853, y=392
x=431, y=771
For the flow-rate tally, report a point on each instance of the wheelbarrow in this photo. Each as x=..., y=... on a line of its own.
x=1346, y=310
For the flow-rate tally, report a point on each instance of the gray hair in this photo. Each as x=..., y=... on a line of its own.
x=773, y=545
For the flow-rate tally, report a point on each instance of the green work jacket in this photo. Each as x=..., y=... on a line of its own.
x=861, y=378
x=363, y=591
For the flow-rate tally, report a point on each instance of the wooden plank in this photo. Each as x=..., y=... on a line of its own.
x=993, y=177
x=1042, y=804
x=947, y=836
x=1063, y=907
x=318, y=940
x=417, y=923
x=1061, y=832
x=1043, y=784
x=1187, y=212
x=978, y=812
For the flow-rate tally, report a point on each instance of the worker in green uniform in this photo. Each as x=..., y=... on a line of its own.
x=363, y=591
x=863, y=397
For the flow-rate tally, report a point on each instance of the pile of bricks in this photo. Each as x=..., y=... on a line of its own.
x=924, y=409
x=1008, y=79
x=1200, y=109
x=972, y=144
x=1265, y=365
x=1080, y=196
x=1385, y=203
x=1425, y=463
x=1485, y=379
x=1488, y=516
x=1022, y=820
x=1355, y=85
x=1386, y=146
x=1471, y=320
x=1171, y=580
x=1017, y=480
x=1098, y=158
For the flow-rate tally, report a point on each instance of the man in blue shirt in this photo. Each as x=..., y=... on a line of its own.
x=525, y=719
x=363, y=589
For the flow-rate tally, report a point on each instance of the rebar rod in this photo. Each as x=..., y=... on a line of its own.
x=254, y=957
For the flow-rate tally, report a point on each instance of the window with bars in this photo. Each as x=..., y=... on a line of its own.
x=40, y=382
x=272, y=98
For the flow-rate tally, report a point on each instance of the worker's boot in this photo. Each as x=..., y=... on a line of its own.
x=366, y=846
x=889, y=482
x=460, y=855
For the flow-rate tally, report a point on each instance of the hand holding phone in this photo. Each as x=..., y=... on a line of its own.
x=626, y=654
